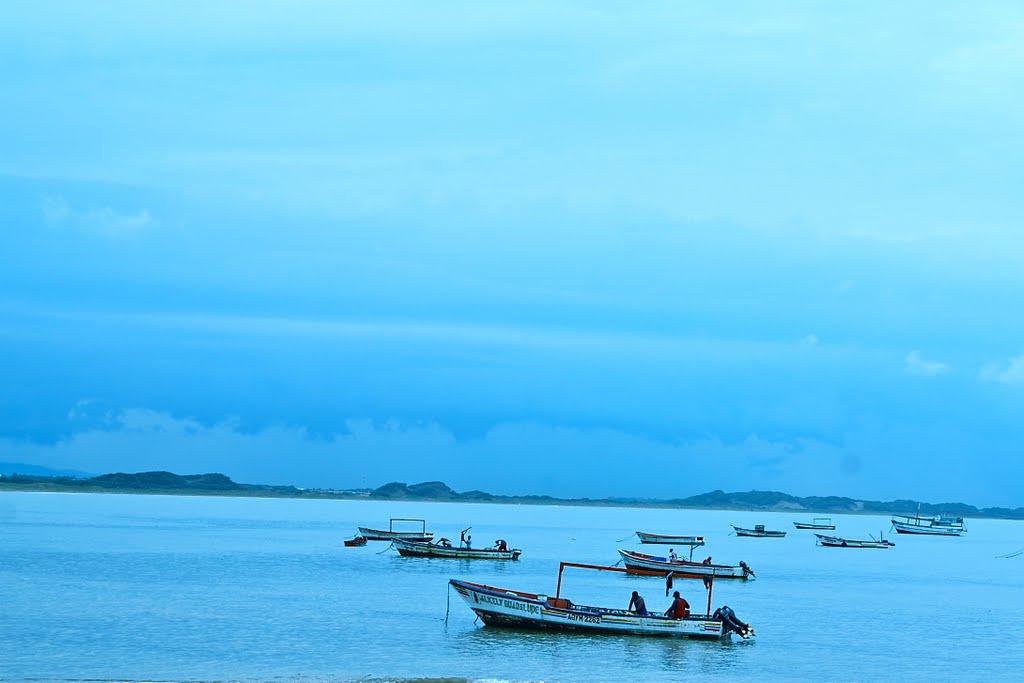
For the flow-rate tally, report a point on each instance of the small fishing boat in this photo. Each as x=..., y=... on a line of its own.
x=639, y=563
x=942, y=525
x=759, y=531
x=819, y=523
x=500, y=550
x=692, y=541
x=355, y=542
x=836, y=542
x=392, y=534
x=518, y=609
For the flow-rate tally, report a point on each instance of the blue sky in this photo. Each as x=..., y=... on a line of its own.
x=524, y=248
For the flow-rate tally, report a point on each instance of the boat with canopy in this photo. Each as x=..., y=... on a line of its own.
x=664, y=539
x=758, y=531
x=837, y=542
x=391, y=534
x=819, y=523
x=518, y=609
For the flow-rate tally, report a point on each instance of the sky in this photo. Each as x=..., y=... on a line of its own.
x=563, y=248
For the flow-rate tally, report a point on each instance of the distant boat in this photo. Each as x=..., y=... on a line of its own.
x=639, y=563
x=692, y=541
x=391, y=534
x=440, y=549
x=517, y=609
x=758, y=531
x=355, y=541
x=822, y=523
x=942, y=525
x=836, y=542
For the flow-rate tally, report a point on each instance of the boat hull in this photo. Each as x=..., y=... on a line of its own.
x=641, y=563
x=692, y=541
x=819, y=527
x=382, y=535
x=515, y=609
x=355, y=542
x=420, y=549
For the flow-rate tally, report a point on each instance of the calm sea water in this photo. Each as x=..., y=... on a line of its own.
x=163, y=588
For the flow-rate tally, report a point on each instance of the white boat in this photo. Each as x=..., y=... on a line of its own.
x=942, y=525
x=837, y=542
x=640, y=563
x=758, y=531
x=691, y=541
x=392, y=534
x=518, y=609
x=421, y=549
x=819, y=523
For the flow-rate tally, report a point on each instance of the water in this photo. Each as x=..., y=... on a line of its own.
x=164, y=588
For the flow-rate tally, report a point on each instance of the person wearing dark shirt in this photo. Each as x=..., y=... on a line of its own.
x=637, y=605
x=679, y=609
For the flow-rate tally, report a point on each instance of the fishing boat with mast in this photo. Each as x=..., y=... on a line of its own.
x=641, y=563
x=392, y=534
x=941, y=525
x=518, y=609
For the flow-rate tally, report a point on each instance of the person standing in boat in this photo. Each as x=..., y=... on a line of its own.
x=467, y=540
x=672, y=557
x=679, y=609
x=637, y=605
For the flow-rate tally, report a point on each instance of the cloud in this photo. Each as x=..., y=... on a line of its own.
x=103, y=221
x=1011, y=373
x=916, y=365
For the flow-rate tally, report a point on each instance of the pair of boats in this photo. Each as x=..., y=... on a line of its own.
x=653, y=565
x=519, y=609
x=418, y=543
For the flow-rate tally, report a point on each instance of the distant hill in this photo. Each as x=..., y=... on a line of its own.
x=220, y=484
x=39, y=470
x=769, y=501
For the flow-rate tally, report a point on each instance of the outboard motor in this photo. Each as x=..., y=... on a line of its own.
x=747, y=571
x=732, y=624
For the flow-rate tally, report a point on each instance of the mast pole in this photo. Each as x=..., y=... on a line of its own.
x=711, y=584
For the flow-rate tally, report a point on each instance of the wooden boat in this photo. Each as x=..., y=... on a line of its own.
x=355, y=541
x=759, y=531
x=639, y=563
x=836, y=542
x=518, y=609
x=943, y=525
x=392, y=534
x=421, y=549
x=692, y=541
x=821, y=523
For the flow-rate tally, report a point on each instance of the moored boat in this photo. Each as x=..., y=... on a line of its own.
x=500, y=551
x=519, y=609
x=758, y=531
x=819, y=523
x=837, y=542
x=942, y=525
x=391, y=534
x=640, y=563
x=663, y=539
x=355, y=542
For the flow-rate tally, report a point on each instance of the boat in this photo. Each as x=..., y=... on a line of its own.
x=820, y=523
x=639, y=563
x=391, y=534
x=519, y=609
x=836, y=542
x=692, y=541
x=500, y=551
x=758, y=531
x=942, y=525
x=355, y=541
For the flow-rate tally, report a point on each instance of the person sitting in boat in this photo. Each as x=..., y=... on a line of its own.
x=707, y=560
x=500, y=545
x=444, y=542
x=637, y=605
x=679, y=609
x=672, y=557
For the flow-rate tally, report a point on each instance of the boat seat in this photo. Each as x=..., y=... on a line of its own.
x=560, y=603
